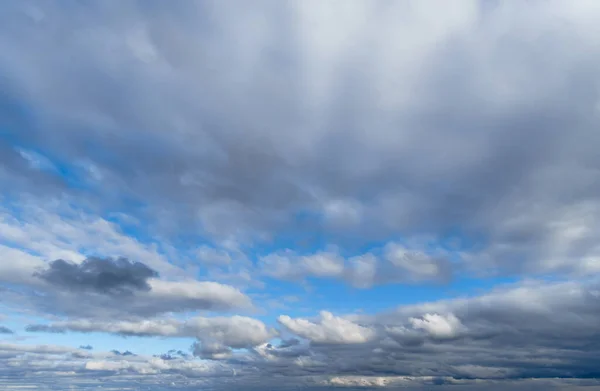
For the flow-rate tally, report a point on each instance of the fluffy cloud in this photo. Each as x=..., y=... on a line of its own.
x=329, y=329
x=394, y=263
x=438, y=326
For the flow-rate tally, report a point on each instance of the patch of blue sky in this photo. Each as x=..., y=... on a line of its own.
x=339, y=297
x=73, y=174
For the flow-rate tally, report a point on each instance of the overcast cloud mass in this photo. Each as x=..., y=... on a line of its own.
x=303, y=194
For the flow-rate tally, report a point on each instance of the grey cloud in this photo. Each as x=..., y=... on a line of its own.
x=386, y=118
x=165, y=297
x=445, y=364
x=529, y=330
x=5, y=330
x=174, y=355
x=102, y=283
x=86, y=347
x=459, y=128
x=42, y=328
x=125, y=353
x=100, y=275
x=289, y=342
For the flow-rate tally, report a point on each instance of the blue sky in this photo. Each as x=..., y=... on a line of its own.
x=366, y=194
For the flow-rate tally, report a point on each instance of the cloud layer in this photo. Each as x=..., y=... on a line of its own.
x=174, y=170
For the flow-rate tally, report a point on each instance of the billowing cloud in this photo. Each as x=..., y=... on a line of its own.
x=329, y=329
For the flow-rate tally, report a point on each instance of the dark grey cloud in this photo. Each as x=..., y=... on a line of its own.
x=125, y=353
x=101, y=275
x=5, y=330
x=173, y=355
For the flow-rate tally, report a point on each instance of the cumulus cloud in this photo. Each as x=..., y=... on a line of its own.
x=329, y=329
x=438, y=326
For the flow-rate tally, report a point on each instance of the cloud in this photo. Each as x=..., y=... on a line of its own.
x=526, y=331
x=392, y=263
x=43, y=328
x=379, y=139
x=438, y=326
x=5, y=330
x=173, y=355
x=125, y=353
x=216, y=336
x=329, y=330
x=86, y=347
x=474, y=126
x=101, y=284
x=529, y=330
x=105, y=276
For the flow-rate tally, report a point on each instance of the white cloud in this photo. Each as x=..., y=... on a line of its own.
x=329, y=329
x=56, y=230
x=438, y=326
x=192, y=294
x=398, y=264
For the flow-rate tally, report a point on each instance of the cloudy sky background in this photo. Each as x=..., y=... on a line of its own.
x=315, y=194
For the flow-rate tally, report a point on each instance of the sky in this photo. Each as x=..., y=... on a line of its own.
x=303, y=194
